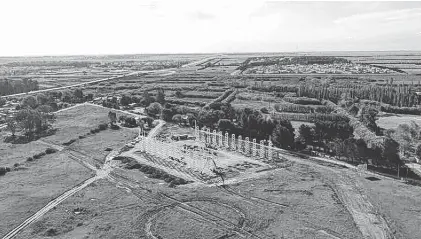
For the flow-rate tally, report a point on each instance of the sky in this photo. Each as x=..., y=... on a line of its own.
x=75, y=27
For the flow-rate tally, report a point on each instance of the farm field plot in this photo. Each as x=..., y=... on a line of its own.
x=391, y=121
x=79, y=120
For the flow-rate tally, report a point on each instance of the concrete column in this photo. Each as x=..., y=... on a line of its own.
x=196, y=133
x=227, y=145
x=220, y=139
x=270, y=151
x=240, y=141
x=262, y=149
x=247, y=146
x=214, y=138
x=254, y=147
x=233, y=142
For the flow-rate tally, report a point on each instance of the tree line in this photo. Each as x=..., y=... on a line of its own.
x=10, y=87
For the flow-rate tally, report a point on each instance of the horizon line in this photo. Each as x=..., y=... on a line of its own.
x=203, y=53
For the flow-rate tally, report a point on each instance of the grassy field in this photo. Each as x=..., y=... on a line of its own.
x=32, y=185
x=102, y=210
x=391, y=121
x=399, y=203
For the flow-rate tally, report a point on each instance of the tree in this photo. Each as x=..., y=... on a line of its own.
x=125, y=100
x=11, y=125
x=226, y=125
x=2, y=102
x=282, y=137
x=149, y=121
x=191, y=118
x=390, y=153
x=338, y=147
x=42, y=99
x=167, y=114
x=154, y=109
x=66, y=96
x=306, y=134
x=178, y=94
x=160, y=97
x=29, y=120
x=29, y=101
x=368, y=118
x=404, y=137
x=147, y=98
x=177, y=118
x=78, y=94
x=418, y=151
x=47, y=117
x=113, y=117
x=130, y=122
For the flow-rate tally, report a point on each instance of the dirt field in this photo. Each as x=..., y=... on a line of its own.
x=293, y=203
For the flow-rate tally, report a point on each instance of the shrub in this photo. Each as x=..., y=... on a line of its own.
x=30, y=159
x=108, y=149
x=50, y=151
x=264, y=110
x=115, y=127
x=69, y=142
x=39, y=155
x=4, y=170
x=82, y=137
x=102, y=127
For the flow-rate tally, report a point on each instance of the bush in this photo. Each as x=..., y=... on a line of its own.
x=92, y=131
x=69, y=142
x=115, y=127
x=102, y=127
x=30, y=159
x=50, y=151
x=82, y=137
x=264, y=110
x=39, y=155
x=3, y=170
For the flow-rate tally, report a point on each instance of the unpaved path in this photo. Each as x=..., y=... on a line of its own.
x=48, y=207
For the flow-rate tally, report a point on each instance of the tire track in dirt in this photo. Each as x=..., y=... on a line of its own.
x=222, y=223
x=49, y=206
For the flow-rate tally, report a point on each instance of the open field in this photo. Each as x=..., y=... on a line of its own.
x=104, y=210
x=31, y=185
x=391, y=121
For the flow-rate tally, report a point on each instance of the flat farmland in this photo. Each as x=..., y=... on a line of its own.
x=391, y=121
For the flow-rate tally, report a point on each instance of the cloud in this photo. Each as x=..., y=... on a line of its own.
x=199, y=15
x=375, y=17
